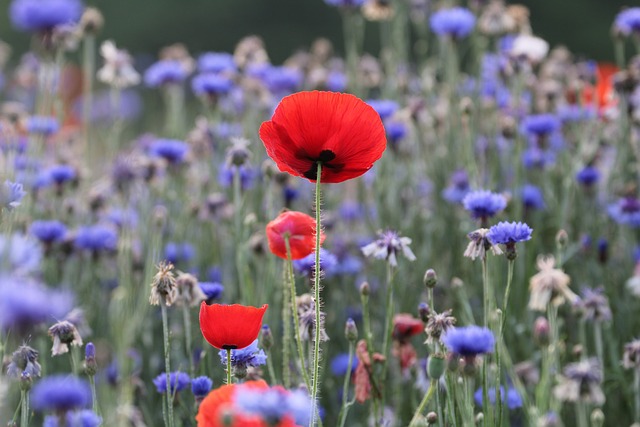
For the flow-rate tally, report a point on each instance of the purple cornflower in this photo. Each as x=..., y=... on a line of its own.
x=96, y=238
x=172, y=150
x=200, y=387
x=216, y=62
x=24, y=360
x=540, y=125
x=43, y=15
x=628, y=21
x=506, y=233
x=340, y=363
x=511, y=397
x=469, y=341
x=307, y=265
x=61, y=174
x=212, y=290
x=457, y=22
x=177, y=381
x=20, y=254
x=60, y=393
x=396, y=130
x=282, y=79
x=48, y=232
x=164, y=72
x=384, y=107
x=247, y=175
x=536, y=157
x=593, y=305
x=626, y=211
x=11, y=194
x=244, y=358
x=352, y=4
x=274, y=404
x=458, y=187
x=42, y=125
x=483, y=204
x=336, y=81
x=532, y=197
x=588, y=176
x=176, y=253
x=210, y=84
x=388, y=246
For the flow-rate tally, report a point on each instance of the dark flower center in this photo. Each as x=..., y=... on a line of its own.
x=324, y=157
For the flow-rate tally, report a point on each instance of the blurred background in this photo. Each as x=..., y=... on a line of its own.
x=144, y=26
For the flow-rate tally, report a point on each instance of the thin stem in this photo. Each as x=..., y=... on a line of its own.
x=597, y=337
x=89, y=47
x=505, y=305
x=94, y=395
x=228, y=366
x=24, y=409
x=636, y=389
x=316, y=288
x=368, y=338
x=287, y=311
x=272, y=372
x=344, y=410
x=186, y=318
x=237, y=208
x=167, y=363
x=389, y=319
x=296, y=321
x=581, y=409
x=425, y=401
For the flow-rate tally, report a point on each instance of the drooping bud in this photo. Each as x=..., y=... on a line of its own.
x=365, y=289
x=350, y=330
x=430, y=278
x=266, y=337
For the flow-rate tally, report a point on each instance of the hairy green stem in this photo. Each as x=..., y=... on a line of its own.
x=425, y=401
x=344, y=410
x=229, y=366
x=167, y=363
x=186, y=318
x=316, y=289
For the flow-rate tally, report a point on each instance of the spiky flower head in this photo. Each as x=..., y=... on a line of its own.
x=388, y=245
x=164, y=289
x=480, y=244
x=550, y=284
x=580, y=382
x=64, y=334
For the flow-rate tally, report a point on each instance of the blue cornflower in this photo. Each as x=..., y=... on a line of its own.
x=307, y=265
x=626, y=211
x=61, y=174
x=201, y=386
x=346, y=3
x=11, y=194
x=535, y=157
x=388, y=246
x=469, y=341
x=588, y=176
x=273, y=404
x=282, y=79
x=505, y=233
x=336, y=81
x=384, y=107
x=511, y=397
x=84, y=418
x=351, y=210
x=60, y=393
x=243, y=358
x=458, y=187
x=177, y=253
x=24, y=361
x=43, y=15
x=540, y=125
x=177, y=381
x=209, y=84
x=575, y=113
x=96, y=238
x=216, y=62
x=457, y=22
x=48, y=231
x=20, y=254
x=396, y=130
x=25, y=303
x=483, y=204
x=172, y=150
x=248, y=175
x=122, y=218
x=340, y=363
x=212, y=290
x=164, y=72
x=42, y=125
x=628, y=21
x=532, y=197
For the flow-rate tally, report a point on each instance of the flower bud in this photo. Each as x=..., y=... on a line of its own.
x=266, y=338
x=562, y=238
x=430, y=278
x=432, y=417
x=541, y=331
x=424, y=311
x=479, y=418
x=597, y=418
x=90, y=364
x=435, y=366
x=365, y=289
x=350, y=330
x=25, y=381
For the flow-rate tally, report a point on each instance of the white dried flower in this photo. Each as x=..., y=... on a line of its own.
x=118, y=68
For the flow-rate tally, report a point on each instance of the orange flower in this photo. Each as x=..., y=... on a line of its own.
x=301, y=229
x=230, y=326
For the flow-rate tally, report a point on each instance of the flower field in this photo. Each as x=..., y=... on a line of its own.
x=443, y=234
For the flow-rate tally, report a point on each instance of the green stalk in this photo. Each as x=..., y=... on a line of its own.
x=487, y=324
x=187, y=337
x=389, y=319
x=505, y=306
x=424, y=403
x=316, y=288
x=167, y=362
x=94, y=395
x=88, y=65
x=237, y=207
x=287, y=308
x=296, y=321
x=636, y=389
x=24, y=409
x=344, y=410
x=228, y=366
x=597, y=337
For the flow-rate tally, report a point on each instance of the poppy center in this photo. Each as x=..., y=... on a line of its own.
x=229, y=347
x=324, y=157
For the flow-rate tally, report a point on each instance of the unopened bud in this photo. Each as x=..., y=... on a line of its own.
x=365, y=289
x=453, y=362
x=597, y=418
x=350, y=330
x=90, y=364
x=432, y=417
x=430, y=278
x=266, y=338
x=562, y=238
x=25, y=381
x=479, y=418
x=541, y=331
x=436, y=366
x=424, y=311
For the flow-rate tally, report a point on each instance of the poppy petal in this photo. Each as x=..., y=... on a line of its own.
x=301, y=229
x=230, y=326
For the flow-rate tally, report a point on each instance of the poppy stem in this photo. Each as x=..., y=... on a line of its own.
x=167, y=363
x=316, y=289
x=228, y=366
x=287, y=308
x=424, y=403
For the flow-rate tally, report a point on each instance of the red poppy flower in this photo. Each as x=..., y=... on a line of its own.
x=339, y=130
x=301, y=229
x=220, y=401
x=602, y=94
x=230, y=326
x=405, y=326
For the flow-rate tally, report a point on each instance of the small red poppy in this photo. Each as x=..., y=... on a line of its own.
x=339, y=130
x=301, y=229
x=212, y=409
x=230, y=326
x=405, y=326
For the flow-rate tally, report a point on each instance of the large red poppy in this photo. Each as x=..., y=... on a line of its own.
x=213, y=407
x=339, y=130
x=230, y=326
x=405, y=326
x=301, y=229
